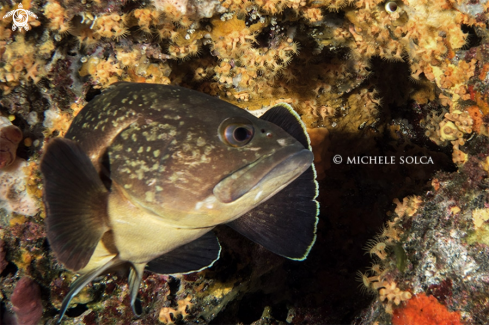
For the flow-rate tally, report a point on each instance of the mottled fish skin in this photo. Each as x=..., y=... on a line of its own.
x=163, y=146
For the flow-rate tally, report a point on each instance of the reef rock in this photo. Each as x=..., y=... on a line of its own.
x=26, y=301
x=13, y=190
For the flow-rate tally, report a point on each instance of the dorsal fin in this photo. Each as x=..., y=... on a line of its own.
x=76, y=203
x=284, y=116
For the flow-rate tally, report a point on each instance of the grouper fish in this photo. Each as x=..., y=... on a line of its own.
x=146, y=171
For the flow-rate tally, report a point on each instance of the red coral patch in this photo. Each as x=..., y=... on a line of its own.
x=424, y=310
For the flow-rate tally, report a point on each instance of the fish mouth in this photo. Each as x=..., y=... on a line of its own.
x=267, y=175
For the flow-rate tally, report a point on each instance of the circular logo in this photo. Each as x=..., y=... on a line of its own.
x=337, y=159
x=20, y=17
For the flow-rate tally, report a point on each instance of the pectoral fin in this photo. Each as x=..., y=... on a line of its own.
x=76, y=203
x=286, y=223
x=192, y=257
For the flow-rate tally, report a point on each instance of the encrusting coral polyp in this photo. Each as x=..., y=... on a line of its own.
x=380, y=279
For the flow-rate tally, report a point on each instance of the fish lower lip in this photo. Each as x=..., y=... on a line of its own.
x=281, y=167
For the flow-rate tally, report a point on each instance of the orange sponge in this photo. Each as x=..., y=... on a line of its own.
x=424, y=310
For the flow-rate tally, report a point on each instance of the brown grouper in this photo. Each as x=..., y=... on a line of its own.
x=146, y=171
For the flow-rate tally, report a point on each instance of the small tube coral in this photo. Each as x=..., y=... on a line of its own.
x=376, y=247
x=26, y=300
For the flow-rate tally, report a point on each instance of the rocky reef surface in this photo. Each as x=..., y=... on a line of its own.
x=397, y=89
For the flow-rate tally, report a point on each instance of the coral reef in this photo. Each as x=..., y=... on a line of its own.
x=14, y=196
x=26, y=301
x=439, y=244
x=368, y=78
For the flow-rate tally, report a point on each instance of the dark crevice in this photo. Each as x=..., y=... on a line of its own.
x=11, y=269
x=473, y=40
x=251, y=307
x=92, y=93
x=76, y=311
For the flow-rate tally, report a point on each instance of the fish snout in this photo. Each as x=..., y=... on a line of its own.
x=270, y=173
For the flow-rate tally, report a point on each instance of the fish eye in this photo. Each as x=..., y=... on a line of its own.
x=391, y=7
x=236, y=132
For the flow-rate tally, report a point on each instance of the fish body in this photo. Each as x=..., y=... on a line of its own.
x=146, y=171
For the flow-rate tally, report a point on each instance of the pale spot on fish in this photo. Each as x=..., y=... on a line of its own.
x=208, y=203
x=200, y=142
x=257, y=196
x=198, y=205
x=173, y=178
x=150, y=196
x=282, y=142
x=117, y=147
x=156, y=153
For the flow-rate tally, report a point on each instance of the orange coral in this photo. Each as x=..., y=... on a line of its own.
x=21, y=63
x=408, y=207
x=424, y=310
x=111, y=26
x=476, y=115
x=146, y=17
x=313, y=14
x=392, y=294
x=57, y=17
x=233, y=35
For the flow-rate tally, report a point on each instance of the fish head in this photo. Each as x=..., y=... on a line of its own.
x=201, y=165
